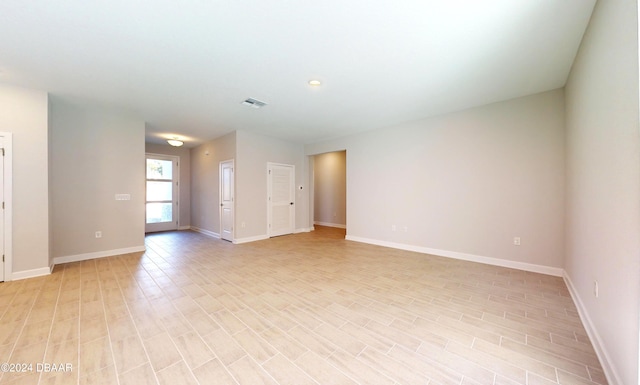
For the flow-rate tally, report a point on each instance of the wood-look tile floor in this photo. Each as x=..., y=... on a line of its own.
x=299, y=309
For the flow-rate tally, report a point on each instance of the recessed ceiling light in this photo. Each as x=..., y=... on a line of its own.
x=314, y=83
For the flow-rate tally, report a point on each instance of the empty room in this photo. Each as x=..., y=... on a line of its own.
x=409, y=192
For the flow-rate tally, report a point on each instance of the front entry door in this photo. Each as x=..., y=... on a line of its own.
x=281, y=193
x=226, y=200
x=162, y=193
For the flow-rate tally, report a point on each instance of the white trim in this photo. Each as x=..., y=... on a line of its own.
x=303, y=230
x=184, y=228
x=31, y=273
x=555, y=271
x=97, y=254
x=8, y=207
x=336, y=225
x=205, y=232
x=250, y=239
x=605, y=360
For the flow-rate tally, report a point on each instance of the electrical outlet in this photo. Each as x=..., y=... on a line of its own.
x=595, y=289
x=516, y=241
x=98, y=234
x=243, y=225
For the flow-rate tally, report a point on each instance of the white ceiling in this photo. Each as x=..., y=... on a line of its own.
x=186, y=66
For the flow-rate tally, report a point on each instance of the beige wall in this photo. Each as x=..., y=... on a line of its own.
x=464, y=184
x=96, y=153
x=205, y=181
x=184, y=204
x=24, y=113
x=254, y=152
x=603, y=185
x=251, y=152
x=330, y=188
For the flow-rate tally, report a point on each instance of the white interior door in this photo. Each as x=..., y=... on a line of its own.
x=6, y=201
x=281, y=193
x=2, y=216
x=162, y=192
x=226, y=200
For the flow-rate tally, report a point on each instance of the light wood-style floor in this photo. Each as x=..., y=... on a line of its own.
x=299, y=309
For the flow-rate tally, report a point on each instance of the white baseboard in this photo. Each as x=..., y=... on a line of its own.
x=238, y=241
x=336, y=225
x=15, y=276
x=250, y=239
x=609, y=371
x=555, y=271
x=205, y=232
x=184, y=228
x=97, y=254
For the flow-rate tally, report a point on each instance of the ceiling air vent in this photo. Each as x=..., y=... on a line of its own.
x=254, y=103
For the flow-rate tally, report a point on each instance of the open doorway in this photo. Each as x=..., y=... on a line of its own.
x=330, y=189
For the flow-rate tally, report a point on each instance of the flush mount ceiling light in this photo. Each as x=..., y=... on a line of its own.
x=314, y=83
x=175, y=142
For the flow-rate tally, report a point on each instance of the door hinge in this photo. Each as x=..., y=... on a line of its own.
x=3, y=205
x=3, y=152
x=2, y=257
